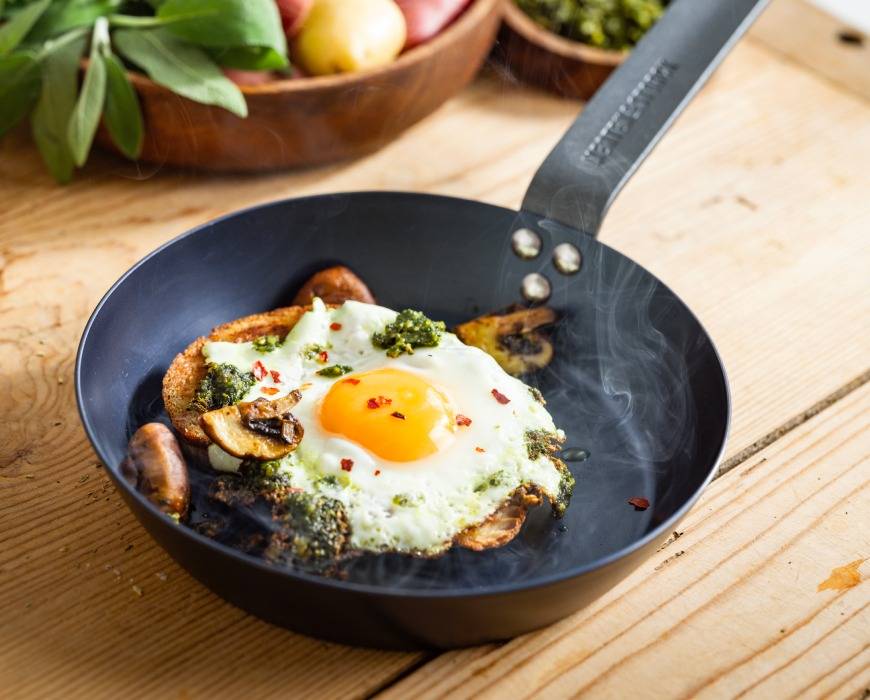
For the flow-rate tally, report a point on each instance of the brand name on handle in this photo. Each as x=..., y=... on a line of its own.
x=629, y=112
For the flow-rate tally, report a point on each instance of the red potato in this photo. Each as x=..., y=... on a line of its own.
x=293, y=14
x=426, y=18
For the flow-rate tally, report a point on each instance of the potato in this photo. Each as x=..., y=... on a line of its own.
x=426, y=18
x=343, y=36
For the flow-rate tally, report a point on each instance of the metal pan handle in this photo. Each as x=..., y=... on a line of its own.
x=620, y=125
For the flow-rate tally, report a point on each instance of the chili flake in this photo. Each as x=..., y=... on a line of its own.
x=501, y=398
x=259, y=370
x=352, y=380
x=378, y=402
x=335, y=326
x=462, y=420
x=276, y=376
x=638, y=502
x=269, y=390
x=323, y=357
x=347, y=464
x=479, y=449
x=377, y=472
x=396, y=414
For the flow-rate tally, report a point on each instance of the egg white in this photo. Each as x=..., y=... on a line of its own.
x=445, y=492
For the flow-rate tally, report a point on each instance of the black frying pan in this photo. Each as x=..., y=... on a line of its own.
x=636, y=382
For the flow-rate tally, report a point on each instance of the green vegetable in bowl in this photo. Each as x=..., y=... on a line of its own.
x=606, y=24
x=183, y=45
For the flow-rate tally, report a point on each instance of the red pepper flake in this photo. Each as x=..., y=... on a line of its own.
x=323, y=357
x=377, y=472
x=270, y=390
x=351, y=380
x=479, y=449
x=396, y=414
x=276, y=376
x=462, y=420
x=347, y=464
x=638, y=502
x=335, y=326
x=501, y=398
x=259, y=370
x=378, y=402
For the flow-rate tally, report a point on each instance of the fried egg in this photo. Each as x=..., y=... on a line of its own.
x=418, y=447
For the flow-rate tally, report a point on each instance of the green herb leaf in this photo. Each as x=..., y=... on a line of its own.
x=13, y=31
x=71, y=14
x=86, y=115
x=122, y=114
x=19, y=88
x=182, y=68
x=226, y=23
x=50, y=120
x=250, y=58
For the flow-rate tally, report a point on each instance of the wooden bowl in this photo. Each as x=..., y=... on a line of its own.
x=540, y=57
x=314, y=120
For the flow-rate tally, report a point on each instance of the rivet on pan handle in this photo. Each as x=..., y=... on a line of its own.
x=620, y=125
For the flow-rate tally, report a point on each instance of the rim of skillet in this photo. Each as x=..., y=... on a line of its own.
x=496, y=589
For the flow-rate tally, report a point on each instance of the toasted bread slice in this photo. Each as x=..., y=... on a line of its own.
x=189, y=367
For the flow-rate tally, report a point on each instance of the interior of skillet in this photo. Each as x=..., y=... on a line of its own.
x=635, y=382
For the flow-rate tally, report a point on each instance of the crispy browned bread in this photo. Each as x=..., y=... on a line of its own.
x=503, y=525
x=188, y=368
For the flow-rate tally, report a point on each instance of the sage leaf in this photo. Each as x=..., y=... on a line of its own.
x=86, y=115
x=57, y=99
x=14, y=30
x=64, y=15
x=250, y=58
x=122, y=114
x=19, y=88
x=226, y=23
x=184, y=69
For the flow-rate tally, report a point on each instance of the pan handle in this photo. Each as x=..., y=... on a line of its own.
x=620, y=125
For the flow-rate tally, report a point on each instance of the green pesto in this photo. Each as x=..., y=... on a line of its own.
x=541, y=443
x=311, y=351
x=566, y=490
x=410, y=330
x=406, y=500
x=488, y=482
x=267, y=343
x=537, y=395
x=316, y=526
x=334, y=370
x=223, y=385
x=607, y=24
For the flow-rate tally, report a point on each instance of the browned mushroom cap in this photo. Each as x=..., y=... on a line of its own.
x=158, y=469
x=260, y=430
x=513, y=338
x=503, y=525
x=334, y=285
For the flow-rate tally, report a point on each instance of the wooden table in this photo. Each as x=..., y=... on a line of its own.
x=755, y=209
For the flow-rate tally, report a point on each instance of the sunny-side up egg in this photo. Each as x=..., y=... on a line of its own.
x=417, y=447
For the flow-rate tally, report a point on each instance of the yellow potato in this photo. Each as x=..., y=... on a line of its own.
x=342, y=36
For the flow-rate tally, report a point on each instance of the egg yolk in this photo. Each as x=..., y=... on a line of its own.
x=394, y=414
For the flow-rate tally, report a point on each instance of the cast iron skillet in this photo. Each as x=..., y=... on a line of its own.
x=636, y=382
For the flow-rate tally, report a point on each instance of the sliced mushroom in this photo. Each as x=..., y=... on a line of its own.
x=512, y=338
x=503, y=525
x=158, y=469
x=334, y=285
x=260, y=430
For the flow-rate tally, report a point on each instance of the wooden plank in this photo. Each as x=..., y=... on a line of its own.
x=731, y=608
x=768, y=245
x=818, y=41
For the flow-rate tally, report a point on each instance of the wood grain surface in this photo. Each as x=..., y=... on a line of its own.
x=754, y=209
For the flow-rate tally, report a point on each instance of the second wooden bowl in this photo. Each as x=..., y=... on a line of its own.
x=540, y=57
x=316, y=120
